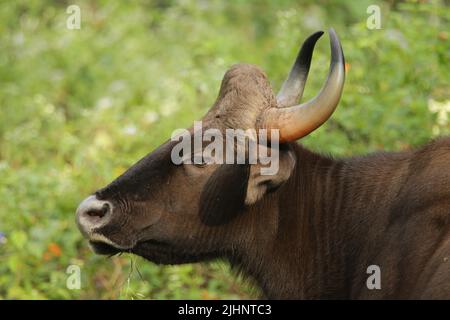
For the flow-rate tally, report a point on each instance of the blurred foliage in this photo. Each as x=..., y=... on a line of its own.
x=80, y=106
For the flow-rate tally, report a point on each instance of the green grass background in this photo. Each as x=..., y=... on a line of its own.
x=77, y=107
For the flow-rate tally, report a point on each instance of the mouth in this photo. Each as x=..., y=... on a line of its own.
x=159, y=252
x=107, y=249
x=102, y=248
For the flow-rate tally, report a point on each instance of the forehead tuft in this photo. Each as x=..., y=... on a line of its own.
x=243, y=70
x=244, y=93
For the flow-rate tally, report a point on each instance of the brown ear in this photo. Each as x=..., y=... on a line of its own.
x=258, y=184
x=223, y=196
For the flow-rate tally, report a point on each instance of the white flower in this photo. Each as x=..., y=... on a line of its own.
x=168, y=107
x=441, y=108
x=150, y=117
x=104, y=103
x=130, y=130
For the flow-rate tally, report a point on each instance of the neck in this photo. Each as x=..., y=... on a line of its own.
x=299, y=247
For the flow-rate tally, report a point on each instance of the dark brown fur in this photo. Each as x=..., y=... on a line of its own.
x=308, y=232
x=334, y=218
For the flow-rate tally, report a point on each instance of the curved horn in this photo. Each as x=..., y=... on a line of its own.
x=297, y=121
x=293, y=86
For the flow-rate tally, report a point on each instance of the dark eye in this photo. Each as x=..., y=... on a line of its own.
x=198, y=161
x=200, y=165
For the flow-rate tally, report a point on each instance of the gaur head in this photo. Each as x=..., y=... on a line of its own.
x=174, y=213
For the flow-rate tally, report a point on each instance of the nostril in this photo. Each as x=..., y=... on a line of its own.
x=93, y=213
x=98, y=212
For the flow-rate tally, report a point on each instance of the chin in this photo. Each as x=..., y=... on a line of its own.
x=164, y=253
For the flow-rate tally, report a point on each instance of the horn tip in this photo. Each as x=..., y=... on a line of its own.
x=337, y=54
x=316, y=35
